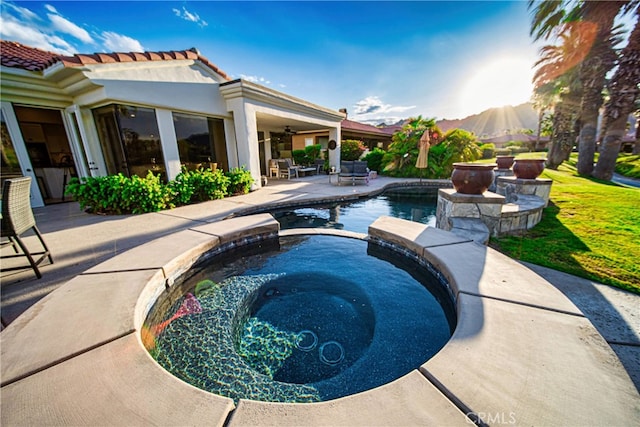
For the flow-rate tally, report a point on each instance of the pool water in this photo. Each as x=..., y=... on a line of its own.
x=312, y=318
x=413, y=204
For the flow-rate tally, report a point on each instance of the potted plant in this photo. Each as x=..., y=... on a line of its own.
x=528, y=168
x=504, y=162
x=472, y=178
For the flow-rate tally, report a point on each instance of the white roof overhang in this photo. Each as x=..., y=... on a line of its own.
x=275, y=109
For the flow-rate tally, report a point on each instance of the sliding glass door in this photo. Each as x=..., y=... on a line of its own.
x=130, y=140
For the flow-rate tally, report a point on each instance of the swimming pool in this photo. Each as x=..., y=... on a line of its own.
x=302, y=319
x=416, y=204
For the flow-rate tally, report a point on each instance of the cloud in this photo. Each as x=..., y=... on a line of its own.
x=65, y=26
x=371, y=109
x=255, y=79
x=55, y=33
x=22, y=11
x=115, y=42
x=190, y=16
x=12, y=29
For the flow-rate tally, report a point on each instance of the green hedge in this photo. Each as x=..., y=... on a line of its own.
x=118, y=194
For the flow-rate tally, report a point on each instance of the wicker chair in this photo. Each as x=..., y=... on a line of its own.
x=17, y=218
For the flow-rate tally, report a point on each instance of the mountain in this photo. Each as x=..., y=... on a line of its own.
x=496, y=121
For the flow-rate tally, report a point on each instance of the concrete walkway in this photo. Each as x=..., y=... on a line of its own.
x=80, y=241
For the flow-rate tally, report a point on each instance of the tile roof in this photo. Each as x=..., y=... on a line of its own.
x=17, y=55
x=361, y=127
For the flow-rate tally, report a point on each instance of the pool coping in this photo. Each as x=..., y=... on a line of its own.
x=522, y=352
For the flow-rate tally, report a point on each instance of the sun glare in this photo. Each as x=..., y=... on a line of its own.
x=497, y=83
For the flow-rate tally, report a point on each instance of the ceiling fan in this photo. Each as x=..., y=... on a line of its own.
x=288, y=131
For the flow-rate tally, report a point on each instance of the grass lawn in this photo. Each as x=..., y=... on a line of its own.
x=628, y=165
x=590, y=229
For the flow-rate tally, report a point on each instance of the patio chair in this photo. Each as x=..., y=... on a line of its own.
x=346, y=171
x=319, y=164
x=360, y=172
x=273, y=168
x=286, y=168
x=17, y=218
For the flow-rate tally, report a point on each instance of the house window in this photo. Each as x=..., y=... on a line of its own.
x=10, y=165
x=201, y=141
x=323, y=141
x=130, y=140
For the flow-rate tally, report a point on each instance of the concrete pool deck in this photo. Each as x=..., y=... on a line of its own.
x=550, y=366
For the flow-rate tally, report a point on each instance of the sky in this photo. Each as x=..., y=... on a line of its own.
x=382, y=61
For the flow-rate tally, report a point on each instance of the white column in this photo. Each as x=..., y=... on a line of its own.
x=169, y=142
x=246, y=127
x=267, y=149
x=231, y=143
x=334, y=155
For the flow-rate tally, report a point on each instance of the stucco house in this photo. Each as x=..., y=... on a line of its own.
x=105, y=113
x=370, y=136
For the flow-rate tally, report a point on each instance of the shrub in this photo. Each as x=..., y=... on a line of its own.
x=404, y=148
x=300, y=157
x=458, y=145
x=117, y=194
x=208, y=184
x=488, y=150
x=240, y=181
x=374, y=159
x=513, y=144
x=516, y=150
x=351, y=149
x=312, y=152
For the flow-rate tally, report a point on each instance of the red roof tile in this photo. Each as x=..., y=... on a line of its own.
x=17, y=55
x=362, y=127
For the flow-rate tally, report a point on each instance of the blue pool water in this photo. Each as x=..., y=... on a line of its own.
x=312, y=318
x=414, y=204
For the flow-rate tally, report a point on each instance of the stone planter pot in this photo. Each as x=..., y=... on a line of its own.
x=472, y=178
x=505, y=162
x=528, y=168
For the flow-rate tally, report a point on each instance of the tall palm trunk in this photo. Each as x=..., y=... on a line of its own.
x=593, y=70
x=636, y=145
x=624, y=92
x=563, y=136
x=540, y=117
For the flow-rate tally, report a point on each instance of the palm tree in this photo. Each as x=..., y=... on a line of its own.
x=624, y=91
x=548, y=20
x=636, y=145
x=556, y=79
x=600, y=59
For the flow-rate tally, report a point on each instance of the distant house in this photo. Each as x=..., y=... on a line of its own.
x=370, y=136
x=529, y=140
x=108, y=113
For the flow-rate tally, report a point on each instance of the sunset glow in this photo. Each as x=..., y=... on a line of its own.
x=498, y=83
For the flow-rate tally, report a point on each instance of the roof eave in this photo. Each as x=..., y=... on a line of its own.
x=245, y=89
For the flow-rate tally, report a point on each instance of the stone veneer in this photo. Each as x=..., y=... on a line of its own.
x=486, y=207
x=539, y=187
x=517, y=207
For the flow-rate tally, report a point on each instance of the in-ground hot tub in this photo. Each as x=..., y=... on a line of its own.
x=301, y=319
